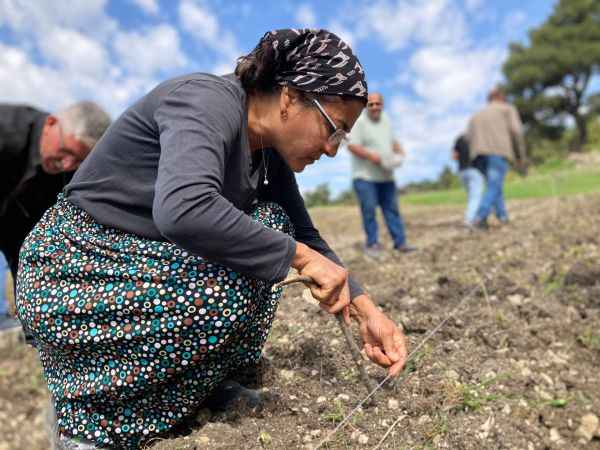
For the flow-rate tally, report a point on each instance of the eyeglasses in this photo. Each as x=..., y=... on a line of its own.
x=338, y=136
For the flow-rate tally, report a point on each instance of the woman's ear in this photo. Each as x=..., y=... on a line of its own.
x=286, y=100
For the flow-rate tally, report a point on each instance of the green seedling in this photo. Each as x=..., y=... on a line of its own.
x=559, y=402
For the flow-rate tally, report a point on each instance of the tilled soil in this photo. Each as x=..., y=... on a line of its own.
x=515, y=365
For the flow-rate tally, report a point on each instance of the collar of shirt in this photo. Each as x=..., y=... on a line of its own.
x=34, y=162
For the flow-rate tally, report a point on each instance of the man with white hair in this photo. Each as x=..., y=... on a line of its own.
x=38, y=154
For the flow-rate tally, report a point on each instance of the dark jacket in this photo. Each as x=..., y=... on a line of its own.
x=461, y=147
x=26, y=191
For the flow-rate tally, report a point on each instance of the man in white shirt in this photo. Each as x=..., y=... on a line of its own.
x=375, y=153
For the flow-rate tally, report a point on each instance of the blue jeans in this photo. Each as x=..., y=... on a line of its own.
x=3, y=297
x=493, y=198
x=372, y=194
x=474, y=183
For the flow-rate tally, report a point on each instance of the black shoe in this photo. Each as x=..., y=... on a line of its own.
x=405, y=248
x=8, y=323
x=479, y=225
x=252, y=376
x=230, y=394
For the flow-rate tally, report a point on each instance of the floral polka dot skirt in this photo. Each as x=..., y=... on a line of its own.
x=132, y=333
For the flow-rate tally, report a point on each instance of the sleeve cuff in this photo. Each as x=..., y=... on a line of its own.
x=284, y=267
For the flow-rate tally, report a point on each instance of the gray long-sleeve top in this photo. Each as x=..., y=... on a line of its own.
x=177, y=166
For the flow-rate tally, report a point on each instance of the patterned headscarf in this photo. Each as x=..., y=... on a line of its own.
x=316, y=61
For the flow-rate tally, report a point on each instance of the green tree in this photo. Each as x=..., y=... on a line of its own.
x=318, y=196
x=549, y=78
x=346, y=197
x=447, y=179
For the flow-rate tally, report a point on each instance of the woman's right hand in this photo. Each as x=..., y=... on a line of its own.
x=330, y=280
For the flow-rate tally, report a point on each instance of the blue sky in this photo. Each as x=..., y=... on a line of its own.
x=433, y=60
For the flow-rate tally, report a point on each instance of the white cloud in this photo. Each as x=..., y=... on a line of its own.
x=51, y=89
x=148, y=6
x=74, y=52
x=343, y=32
x=198, y=20
x=36, y=18
x=306, y=16
x=413, y=21
x=64, y=55
x=146, y=53
x=36, y=84
x=446, y=76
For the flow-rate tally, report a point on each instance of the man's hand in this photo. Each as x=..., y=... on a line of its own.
x=522, y=167
x=374, y=158
x=398, y=148
x=364, y=153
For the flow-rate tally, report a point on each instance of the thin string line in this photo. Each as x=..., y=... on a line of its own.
x=410, y=356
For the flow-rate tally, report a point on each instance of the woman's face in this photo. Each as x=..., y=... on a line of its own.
x=304, y=132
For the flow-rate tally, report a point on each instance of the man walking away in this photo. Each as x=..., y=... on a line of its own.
x=371, y=144
x=495, y=136
x=471, y=175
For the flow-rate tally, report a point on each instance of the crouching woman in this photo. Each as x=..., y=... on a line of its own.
x=148, y=284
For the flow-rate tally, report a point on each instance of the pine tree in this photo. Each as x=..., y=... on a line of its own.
x=549, y=78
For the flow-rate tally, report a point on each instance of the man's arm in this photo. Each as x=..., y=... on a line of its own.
x=364, y=153
x=516, y=132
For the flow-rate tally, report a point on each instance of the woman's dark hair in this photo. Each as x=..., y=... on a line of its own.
x=257, y=69
x=313, y=62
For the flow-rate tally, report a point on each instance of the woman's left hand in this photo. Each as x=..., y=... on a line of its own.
x=383, y=341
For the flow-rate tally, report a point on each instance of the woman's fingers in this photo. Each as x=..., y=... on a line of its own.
x=369, y=351
x=329, y=280
x=396, y=368
x=384, y=343
x=380, y=358
x=342, y=301
x=394, y=344
x=346, y=313
x=399, y=350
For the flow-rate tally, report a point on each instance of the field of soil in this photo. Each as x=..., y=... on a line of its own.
x=517, y=365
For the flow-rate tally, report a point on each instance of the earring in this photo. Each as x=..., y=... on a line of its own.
x=284, y=115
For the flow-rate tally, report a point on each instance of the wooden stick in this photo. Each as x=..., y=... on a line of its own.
x=354, y=350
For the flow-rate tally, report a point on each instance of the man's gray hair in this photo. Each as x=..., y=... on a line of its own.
x=84, y=120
